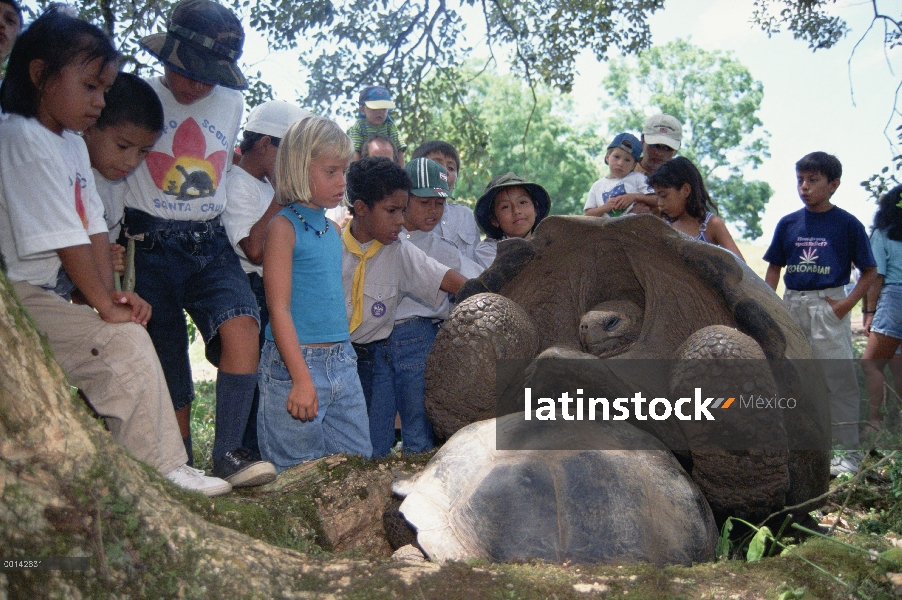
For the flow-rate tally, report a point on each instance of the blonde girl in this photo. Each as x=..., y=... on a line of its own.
x=311, y=401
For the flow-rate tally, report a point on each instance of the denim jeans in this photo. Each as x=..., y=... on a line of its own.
x=888, y=319
x=186, y=266
x=391, y=373
x=340, y=424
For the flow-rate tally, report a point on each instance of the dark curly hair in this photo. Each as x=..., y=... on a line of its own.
x=374, y=178
x=889, y=214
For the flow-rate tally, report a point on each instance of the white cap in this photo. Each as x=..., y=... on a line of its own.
x=273, y=118
x=663, y=129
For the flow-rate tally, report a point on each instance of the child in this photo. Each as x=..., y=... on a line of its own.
x=377, y=271
x=622, y=155
x=53, y=238
x=10, y=26
x=128, y=127
x=818, y=245
x=252, y=205
x=444, y=154
x=686, y=205
x=662, y=136
x=510, y=207
x=183, y=259
x=311, y=402
x=458, y=225
x=416, y=322
x=882, y=310
x=425, y=212
x=373, y=118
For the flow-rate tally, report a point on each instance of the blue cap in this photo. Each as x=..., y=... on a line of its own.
x=375, y=97
x=627, y=142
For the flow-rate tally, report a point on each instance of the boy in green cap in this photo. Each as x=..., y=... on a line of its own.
x=378, y=268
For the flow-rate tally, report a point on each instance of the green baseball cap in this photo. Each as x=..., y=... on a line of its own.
x=430, y=179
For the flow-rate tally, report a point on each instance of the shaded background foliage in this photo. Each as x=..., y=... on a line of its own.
x=527, y=132
x=415, y=48
x=815, y=22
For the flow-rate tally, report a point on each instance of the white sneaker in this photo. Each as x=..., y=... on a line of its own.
x=196, y=481
x=845, y=464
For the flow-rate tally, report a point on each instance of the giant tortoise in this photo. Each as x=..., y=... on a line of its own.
x=583, y=505
x=633, y=289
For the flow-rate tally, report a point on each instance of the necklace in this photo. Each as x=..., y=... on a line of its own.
x=308, y=226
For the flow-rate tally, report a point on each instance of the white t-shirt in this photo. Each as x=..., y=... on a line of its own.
x=458, y=226
x=397, y=269
x=48, y=199
x=447, y=254
x=486, y=250
x=181, y=178
x=338, y=213
x=113, y=195
x=606, y=188
x=249, y=198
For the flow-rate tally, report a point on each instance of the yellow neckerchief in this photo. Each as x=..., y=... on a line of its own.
x=359, y=273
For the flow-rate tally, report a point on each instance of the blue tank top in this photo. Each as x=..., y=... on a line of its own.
x=317, y=295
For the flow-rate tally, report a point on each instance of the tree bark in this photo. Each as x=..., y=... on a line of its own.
x=68, y=489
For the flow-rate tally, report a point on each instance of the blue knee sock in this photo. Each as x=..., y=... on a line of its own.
x=250, y=440
x=189, y=450
x=234, y=396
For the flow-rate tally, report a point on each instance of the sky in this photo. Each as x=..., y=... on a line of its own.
x=808, y=103
x=808, y=96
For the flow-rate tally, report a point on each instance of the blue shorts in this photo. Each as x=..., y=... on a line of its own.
x=888, y=319
x=186, y=266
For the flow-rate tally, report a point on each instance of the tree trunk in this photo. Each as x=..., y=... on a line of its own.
x=68, y=489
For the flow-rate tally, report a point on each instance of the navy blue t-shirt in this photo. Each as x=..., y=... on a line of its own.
x=818, y=249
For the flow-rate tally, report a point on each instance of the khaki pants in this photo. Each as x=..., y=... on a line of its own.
x=831, y=341
x=117, y=369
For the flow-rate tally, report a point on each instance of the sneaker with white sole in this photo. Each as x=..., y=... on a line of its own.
x=242, y=468
x=847, y=463
x=195, y=480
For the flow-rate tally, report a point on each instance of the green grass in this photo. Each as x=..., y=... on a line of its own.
x=203, y=421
